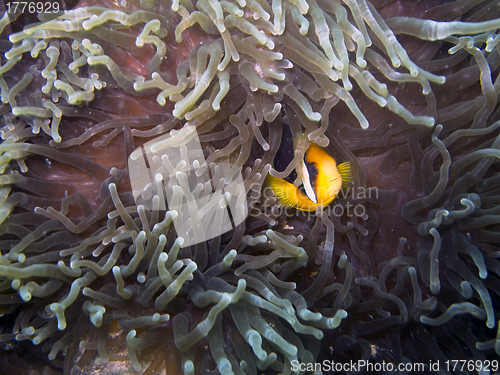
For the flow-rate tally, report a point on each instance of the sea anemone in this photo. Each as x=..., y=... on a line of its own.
x=400, y=270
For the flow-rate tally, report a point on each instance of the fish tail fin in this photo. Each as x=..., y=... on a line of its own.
x=345, y=171
x=285, y=192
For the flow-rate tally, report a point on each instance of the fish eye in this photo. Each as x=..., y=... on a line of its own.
x=314, y=169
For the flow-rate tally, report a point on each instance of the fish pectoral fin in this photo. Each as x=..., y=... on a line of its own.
x=345, y=171
x=285, y=192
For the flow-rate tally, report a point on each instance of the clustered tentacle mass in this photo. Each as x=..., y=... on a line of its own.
x=89, y=278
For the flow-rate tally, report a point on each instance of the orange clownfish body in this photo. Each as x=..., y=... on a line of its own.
x=322, y=180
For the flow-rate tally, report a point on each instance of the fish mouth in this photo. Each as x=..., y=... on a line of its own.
x=335, y=179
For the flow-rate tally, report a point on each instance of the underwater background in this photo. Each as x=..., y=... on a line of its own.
x=401, y=268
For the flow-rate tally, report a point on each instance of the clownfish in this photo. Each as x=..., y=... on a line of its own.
x=321, y=182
